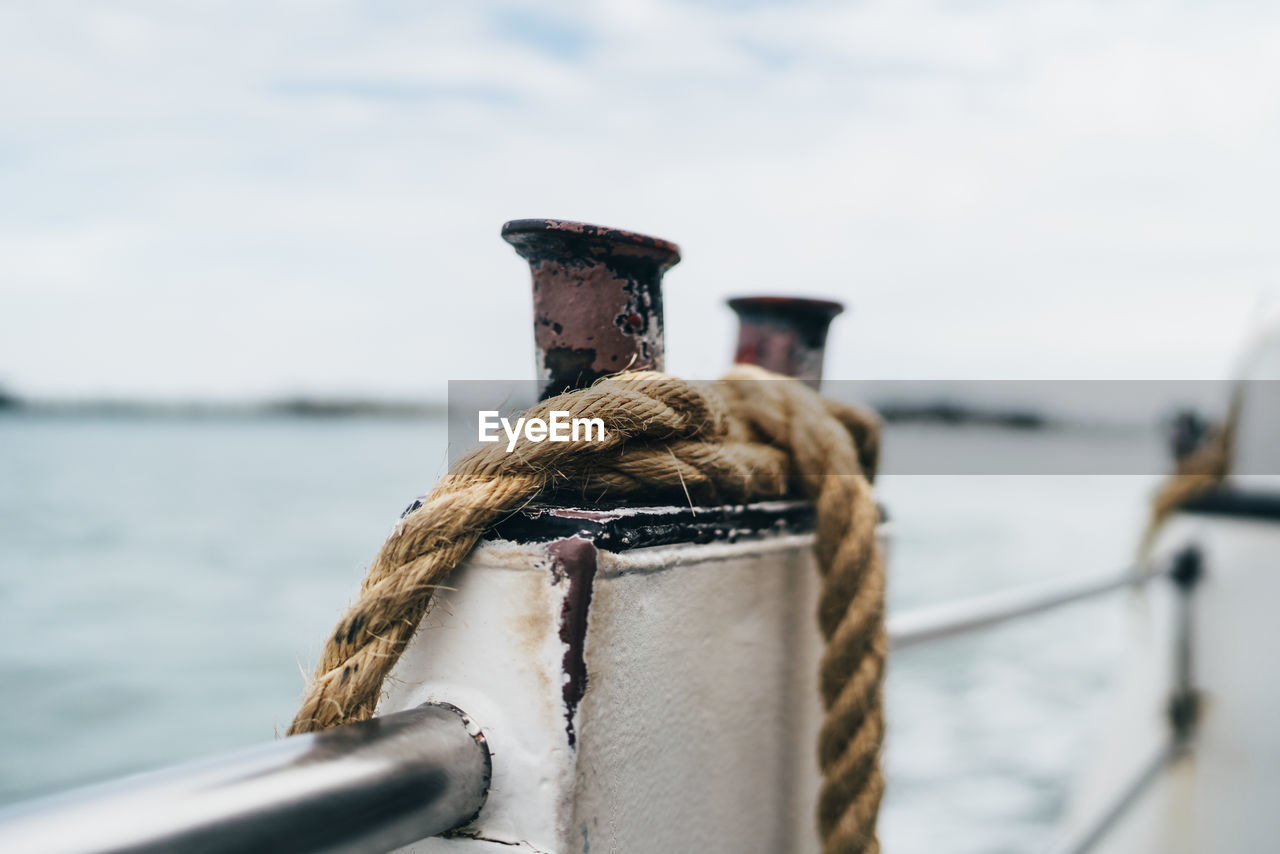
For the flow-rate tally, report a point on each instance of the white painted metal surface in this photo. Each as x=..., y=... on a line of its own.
x=1257, y=448
x=493, y=645
x=698, y=725
x=1224, y=795
x=700, y=732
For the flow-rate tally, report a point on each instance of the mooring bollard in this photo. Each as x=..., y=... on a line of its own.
x=597, y=299
x=787, y=335
x=570, y=663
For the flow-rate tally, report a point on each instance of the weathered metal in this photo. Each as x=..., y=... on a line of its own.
x=620, y=529
x=362, y=788
x=647, y=679
x=787, y=335
x=646, y=676
x=597, y=298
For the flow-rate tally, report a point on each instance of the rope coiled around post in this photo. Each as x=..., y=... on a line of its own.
x=751, y=436
x=1201, y=471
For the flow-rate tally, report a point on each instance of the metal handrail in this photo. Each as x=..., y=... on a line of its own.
x=1088, y=837
x=935, y=622
x=354, y=789
x=381, y=784
x=1185, y=569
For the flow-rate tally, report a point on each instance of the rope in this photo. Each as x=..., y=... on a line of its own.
x=1199, y=472
x=735, y=440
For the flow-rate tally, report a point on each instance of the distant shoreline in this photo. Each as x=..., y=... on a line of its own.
x=956, y=414
x=288, y=407
x=941, y=412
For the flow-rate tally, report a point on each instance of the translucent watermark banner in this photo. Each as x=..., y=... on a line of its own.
x=970, y=427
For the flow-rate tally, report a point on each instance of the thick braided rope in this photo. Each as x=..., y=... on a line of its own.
x=851, y=604
x=753, y=435
x=1200, y=472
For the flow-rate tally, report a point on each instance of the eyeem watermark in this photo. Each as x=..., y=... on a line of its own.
x=558, y=428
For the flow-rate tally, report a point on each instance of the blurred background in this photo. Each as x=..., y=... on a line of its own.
x=216, y=220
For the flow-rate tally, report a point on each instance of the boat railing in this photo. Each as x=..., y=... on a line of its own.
x=952, y=619
x=937, y=622
x=380, y=784
x=361, y=788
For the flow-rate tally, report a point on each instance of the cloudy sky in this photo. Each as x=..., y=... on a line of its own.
x=243, y=199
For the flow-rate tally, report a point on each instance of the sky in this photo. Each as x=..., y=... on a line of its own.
x=244, y=199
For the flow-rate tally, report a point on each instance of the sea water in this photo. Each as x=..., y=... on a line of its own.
x=166, y=584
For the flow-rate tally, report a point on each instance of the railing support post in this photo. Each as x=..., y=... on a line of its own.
x=1184, y=704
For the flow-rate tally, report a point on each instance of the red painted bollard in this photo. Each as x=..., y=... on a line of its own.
x=597, y=299
x=786, y=335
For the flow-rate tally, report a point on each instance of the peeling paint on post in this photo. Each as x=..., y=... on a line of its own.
x=597, y=299
x=610, y=649
x=787, y=335
x=574, y=563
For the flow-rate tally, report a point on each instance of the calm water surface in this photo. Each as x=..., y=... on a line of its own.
x=166, y=582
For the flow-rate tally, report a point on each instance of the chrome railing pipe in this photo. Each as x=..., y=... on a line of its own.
x=355, y=789
x=935, y=622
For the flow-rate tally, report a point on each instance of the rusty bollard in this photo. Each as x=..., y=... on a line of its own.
x=597, y=299
x=786, y=335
